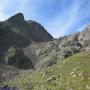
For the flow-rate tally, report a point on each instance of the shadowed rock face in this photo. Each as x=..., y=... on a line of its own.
x=39, y=34
x=22, y=32
x=17, y=19
x=33, y=30
x=19, y=33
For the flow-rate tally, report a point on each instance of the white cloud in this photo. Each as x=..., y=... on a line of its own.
x=66, y=21
x=62, y=23
x=28, y=7
x=3, y=6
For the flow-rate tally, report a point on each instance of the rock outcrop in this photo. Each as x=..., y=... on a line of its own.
x=84, y=38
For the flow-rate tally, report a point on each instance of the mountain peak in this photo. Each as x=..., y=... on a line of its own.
x=18, y=18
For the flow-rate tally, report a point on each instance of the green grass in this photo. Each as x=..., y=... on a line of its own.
x=72, y=73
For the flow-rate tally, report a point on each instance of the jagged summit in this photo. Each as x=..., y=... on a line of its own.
x=30, y=29
x=18, y=18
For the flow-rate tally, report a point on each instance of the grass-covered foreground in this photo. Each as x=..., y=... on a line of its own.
x=72, y=73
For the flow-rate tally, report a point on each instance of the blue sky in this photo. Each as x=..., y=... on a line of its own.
x=59, y=17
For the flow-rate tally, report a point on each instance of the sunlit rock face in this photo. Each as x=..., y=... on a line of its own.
x=84, y=38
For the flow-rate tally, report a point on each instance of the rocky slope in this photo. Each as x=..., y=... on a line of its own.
x=57, y=49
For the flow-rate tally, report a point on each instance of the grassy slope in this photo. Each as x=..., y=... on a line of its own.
x=72, y=73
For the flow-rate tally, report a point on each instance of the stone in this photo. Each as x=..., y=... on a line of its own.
x=71, y=73
x=43, y=74
x=87, y=87
x=52, y=78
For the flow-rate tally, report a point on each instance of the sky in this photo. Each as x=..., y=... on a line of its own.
x=59, y=17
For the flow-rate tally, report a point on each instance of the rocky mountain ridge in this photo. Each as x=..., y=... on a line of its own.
x=30, y=40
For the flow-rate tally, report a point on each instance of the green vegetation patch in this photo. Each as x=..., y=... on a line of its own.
x=72, y=73
x=17, y=58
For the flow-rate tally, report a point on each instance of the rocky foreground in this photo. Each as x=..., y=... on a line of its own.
x=72, y=73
